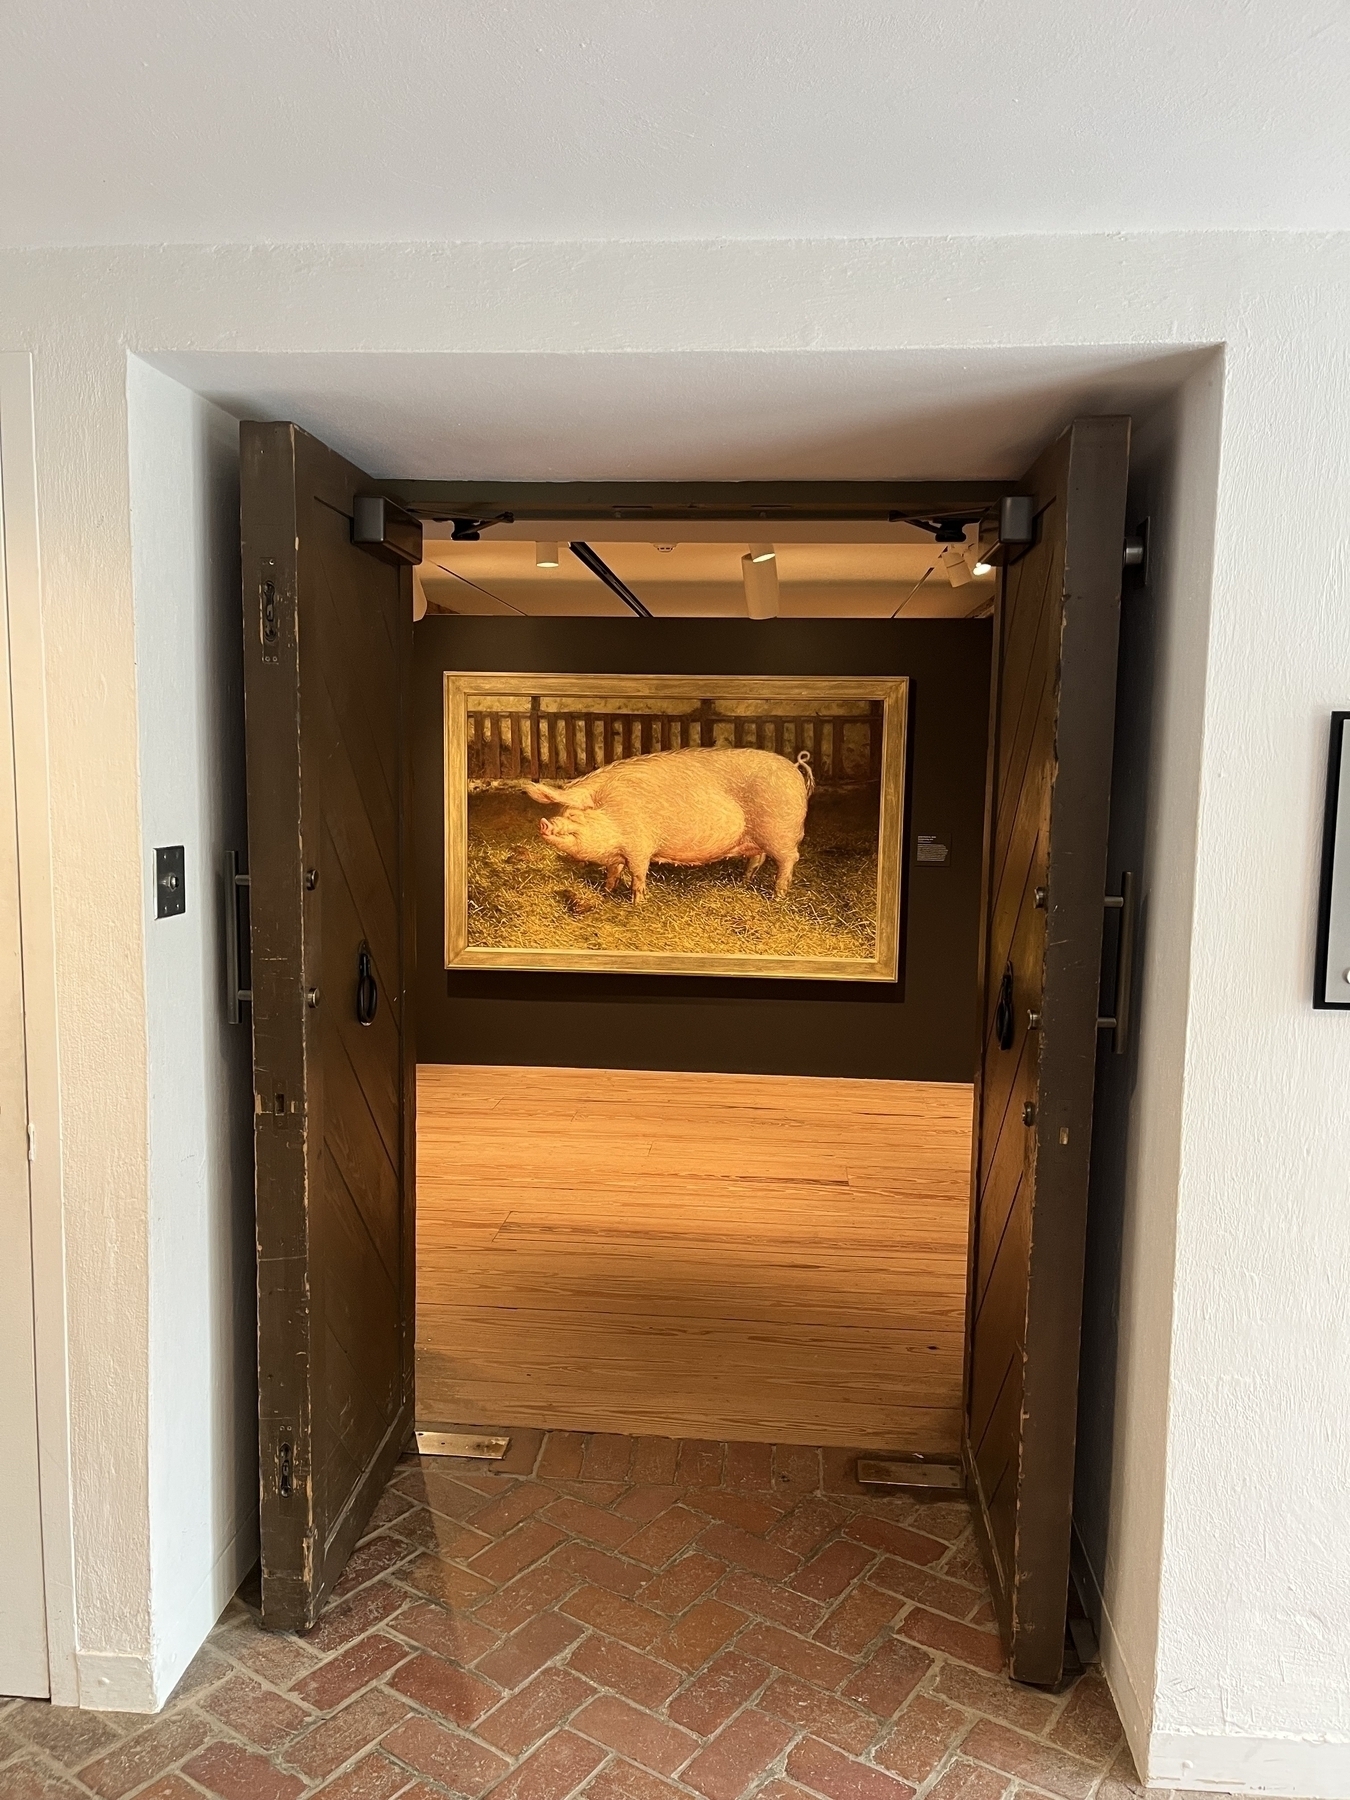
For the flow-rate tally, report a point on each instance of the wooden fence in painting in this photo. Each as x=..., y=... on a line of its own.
x=504, y=746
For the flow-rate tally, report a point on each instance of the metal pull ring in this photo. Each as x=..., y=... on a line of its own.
x=367, y=988
x=1004, y=1018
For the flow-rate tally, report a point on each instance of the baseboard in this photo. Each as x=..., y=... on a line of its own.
x=1084, y=1578
x=1308, y=1768
x=112, y=1682
x=1315, y=1768
x=175, y=1649
x=1135, y=1713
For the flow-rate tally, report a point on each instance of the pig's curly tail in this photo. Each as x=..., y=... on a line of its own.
x=803, y=768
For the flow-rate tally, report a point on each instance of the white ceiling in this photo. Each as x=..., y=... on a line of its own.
x=375, y=120
x=896, y=415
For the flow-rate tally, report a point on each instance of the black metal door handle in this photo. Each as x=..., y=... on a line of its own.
x=238, y=993
x=1004, y=1019
x=1126, y=904
x=367, y=988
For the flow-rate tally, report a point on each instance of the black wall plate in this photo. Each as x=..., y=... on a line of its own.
x=170, y=885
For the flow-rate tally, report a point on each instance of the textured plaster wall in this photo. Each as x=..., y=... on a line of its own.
x=1254, y=1606
x=1238, y=1629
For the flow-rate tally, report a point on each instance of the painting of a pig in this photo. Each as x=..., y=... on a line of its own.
x=655, y=824
x=693, y=807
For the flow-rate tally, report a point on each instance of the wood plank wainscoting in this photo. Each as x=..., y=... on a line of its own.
x=689, y=1255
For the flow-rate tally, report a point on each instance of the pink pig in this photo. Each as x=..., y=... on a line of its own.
x=690, y=806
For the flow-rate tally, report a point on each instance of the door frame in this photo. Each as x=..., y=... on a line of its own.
x=32, y=793
x=694, y=502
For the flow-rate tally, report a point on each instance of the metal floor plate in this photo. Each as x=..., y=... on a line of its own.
x=879, y=1472
x=462, y=1443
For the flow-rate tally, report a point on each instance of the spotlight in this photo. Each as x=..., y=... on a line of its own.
x=983, y=568
x=761, y=587
x=761, y=553
x=546, y=556
x=954, y=562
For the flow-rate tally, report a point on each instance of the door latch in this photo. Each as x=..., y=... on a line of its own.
x=269, y=618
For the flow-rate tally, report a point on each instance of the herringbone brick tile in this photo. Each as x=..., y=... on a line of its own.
x=633, y=1619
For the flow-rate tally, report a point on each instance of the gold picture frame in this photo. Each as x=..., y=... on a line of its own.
x=516, y=743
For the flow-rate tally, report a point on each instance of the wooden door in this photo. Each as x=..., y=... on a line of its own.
x=327, y=647
x=1053, y=708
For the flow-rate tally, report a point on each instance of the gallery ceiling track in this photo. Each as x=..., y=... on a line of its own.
x=479, y=505
x=598, y=566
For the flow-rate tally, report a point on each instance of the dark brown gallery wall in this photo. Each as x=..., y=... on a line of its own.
x=920, y=1028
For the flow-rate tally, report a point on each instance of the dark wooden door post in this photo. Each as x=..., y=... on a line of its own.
x=1052, y=714
x=327, y=654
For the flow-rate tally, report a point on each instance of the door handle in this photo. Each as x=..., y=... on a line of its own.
x=367, y=988
x=236, y=994
x=1126, y=904
x=1004, y=1017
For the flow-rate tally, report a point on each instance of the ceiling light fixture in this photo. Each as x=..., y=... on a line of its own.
x=762, y=553
x=546, y=556
x=761, y=587
x=665, y=549
x=954, y=562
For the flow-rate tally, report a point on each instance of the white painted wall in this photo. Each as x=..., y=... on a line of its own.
x=1258, y=1428
x=202, y=1452
x=1227, y=1581
x=458, y=120
x=23, y=1614
x=33, y=817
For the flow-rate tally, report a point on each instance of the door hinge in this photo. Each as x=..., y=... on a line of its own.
x=32, y=1143
x=1135, y=552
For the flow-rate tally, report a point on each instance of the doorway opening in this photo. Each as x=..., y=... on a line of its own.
x=603, y=1215
x=703, y=1209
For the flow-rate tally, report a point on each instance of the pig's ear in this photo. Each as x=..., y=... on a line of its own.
x=546, y=796
x=578, y=798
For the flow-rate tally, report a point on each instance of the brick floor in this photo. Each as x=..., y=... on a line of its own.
x=620, y=1619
